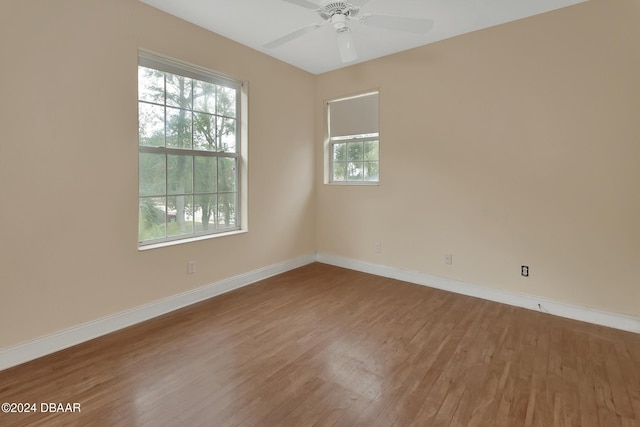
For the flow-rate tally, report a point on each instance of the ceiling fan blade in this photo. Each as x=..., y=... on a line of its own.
x=288, y=37
x=304, y=3
x=400, y=23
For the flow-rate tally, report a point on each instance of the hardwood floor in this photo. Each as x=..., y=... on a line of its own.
x=326, y=346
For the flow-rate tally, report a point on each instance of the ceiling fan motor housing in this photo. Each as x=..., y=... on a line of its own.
x=330, y=8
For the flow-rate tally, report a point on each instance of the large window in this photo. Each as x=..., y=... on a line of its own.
x=353, y=150
x=189, y=152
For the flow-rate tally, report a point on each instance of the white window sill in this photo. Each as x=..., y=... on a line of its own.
x=189, y=240
x=365, y=183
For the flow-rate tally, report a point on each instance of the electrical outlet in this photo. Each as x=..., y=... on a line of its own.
x=524, y=270
x=448, y=259
x=191, y=267
x=377, y=247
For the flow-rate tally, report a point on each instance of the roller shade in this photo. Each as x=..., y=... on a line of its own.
x=357, y=115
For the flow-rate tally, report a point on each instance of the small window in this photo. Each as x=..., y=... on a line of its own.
x=189, y=152
x=353, y=152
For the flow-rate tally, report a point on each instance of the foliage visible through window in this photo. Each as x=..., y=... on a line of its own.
x=355, y=159
x=188, y=153
x=353, y=139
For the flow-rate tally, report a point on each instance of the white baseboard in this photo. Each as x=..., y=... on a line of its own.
x=48, y=344
x=585, y=314
x=21, y=353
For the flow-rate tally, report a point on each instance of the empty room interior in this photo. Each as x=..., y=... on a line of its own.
x=485, y=273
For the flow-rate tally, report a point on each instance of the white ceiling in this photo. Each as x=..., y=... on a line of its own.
x=256, y=22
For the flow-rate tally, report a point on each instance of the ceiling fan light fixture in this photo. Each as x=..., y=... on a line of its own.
x=338, y=21
x=346, y=45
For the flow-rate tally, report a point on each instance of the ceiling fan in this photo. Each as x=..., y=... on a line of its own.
x=338, y=13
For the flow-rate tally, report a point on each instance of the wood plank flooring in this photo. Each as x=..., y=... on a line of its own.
x=325, y=346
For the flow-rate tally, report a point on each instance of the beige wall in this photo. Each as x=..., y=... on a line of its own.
x=516, y=145
x=68, y=163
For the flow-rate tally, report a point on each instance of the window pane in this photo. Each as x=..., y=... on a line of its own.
x=204, y=97
x=204, y=132
x=354, y=171
x=179, y=215
x=227, y=210
x=226, y=105
x=339, y=172
x=339, y=152
x=371, y=150
x=179, y=174
x=206, y=174
x=226, y=174
x=178, y=128
x=189, y=152
x=152, y=174
x=150, y=85
x=354, y=151
x=150, y=124
x=178, y=91
x=371, y=172
x=227, y=134
x=205, y=212
x=151, y=218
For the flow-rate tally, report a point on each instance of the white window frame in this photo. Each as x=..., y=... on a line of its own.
x=332, y=140
x=161, y=63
